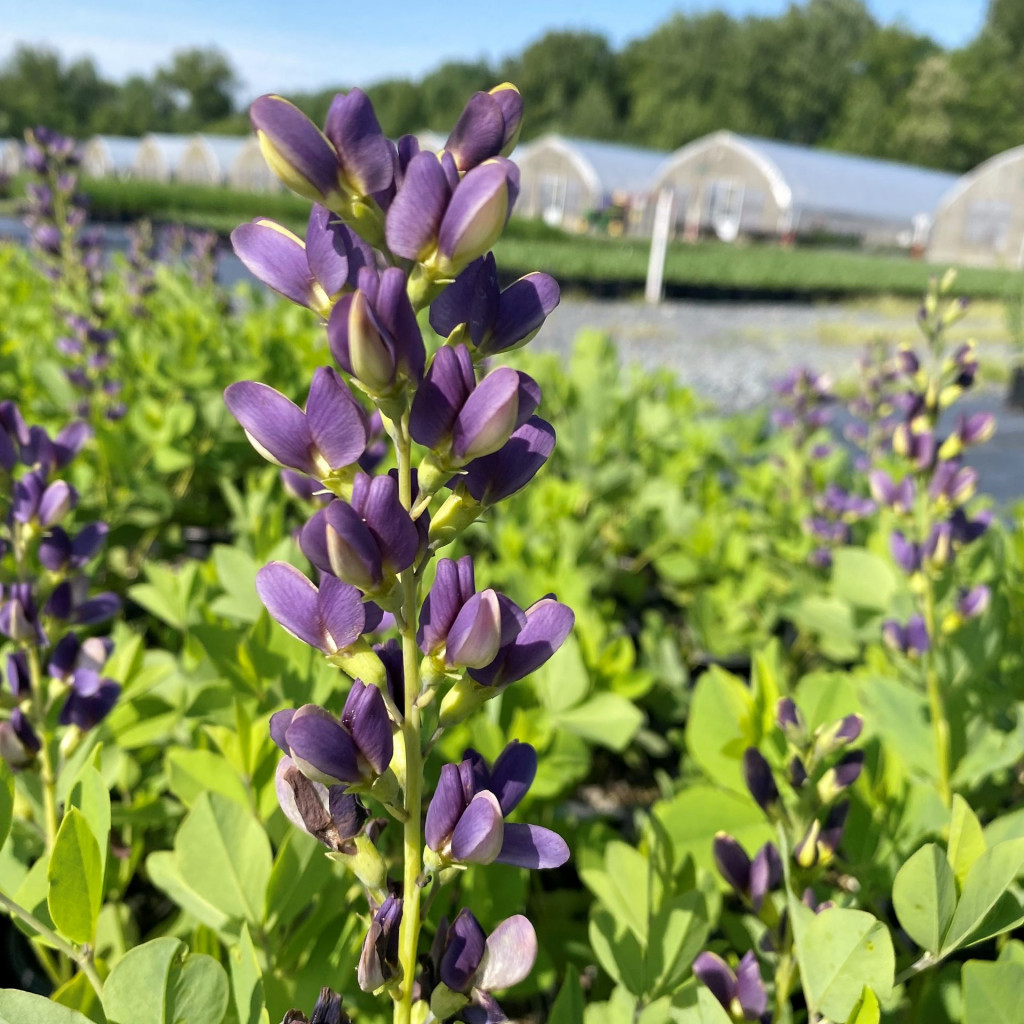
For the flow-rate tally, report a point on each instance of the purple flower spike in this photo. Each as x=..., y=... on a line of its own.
x=277, y=258
x=495, y=477
x=331, y=618
x=414, y=216
x=295, y=149
x=367, y=158
x=328, y=436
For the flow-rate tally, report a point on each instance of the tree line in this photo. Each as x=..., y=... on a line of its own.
x=823, y=73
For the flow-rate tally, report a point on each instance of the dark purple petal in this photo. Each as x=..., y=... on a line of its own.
x=439, y=399
x=463, y=952
x=277, y=258
x=55, y=550
x=19, y=678
x=395, y=312
x=352, y=551
x=530, y=846
x=478, y=835
x=511, y=104
x=548, y=623
x=513, y=774
x=321, y=748
x=497, y=476
x=275, y=425
x=292, y=601
x=716, y=974
x=750, y=991
x=88, y=541
x=759, y=778
x=90, y=700
x=522, y=309
x=370, y=726
x=447, y=596
x=732, y=862
x=279, y=722
x=473, y=299
x=97, y=609
x=483, y=1009
x=336, y=422
x=479, y=133
x=57, y=500
x=367, y=158
x=342, y=613
x=445, y=809
x=335, y=253
x=390, y=524
x=765, y=874
x=414, y=217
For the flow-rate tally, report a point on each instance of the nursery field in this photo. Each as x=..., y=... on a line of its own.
x=362, y=662
x=590, y=264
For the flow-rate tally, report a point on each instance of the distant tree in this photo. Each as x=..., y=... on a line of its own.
x=925, y=135
x=203, y=83
x=399, y=106
x=570, y=83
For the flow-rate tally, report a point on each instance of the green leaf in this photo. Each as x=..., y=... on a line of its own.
x=18, y=1007
x=678, y=933
x=6, y=800
x=989, y=878
x=900, y=715
x=191, y=772
x=563, y=682
x=862, y=578
x=924, y=897
x=224, y=855
x=606, y=719
x=92, y=797
x=136, y=990
x=692, y=818
x=164, y=873
x=75, y=879
x=867, y=1011
x=721, y=726
x=159, y=983
x=966, y=840
x=247, y=982
x=992, y=992
x=699, y=1006
x=841, y=952
x=568, y=1005
x=618, y=952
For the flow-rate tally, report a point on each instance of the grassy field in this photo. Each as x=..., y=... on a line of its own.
x=598, y=264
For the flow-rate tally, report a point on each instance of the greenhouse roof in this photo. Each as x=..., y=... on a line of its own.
x=609, y=166
x=858, y=186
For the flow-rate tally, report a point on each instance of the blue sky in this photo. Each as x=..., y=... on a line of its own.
x=307, y=44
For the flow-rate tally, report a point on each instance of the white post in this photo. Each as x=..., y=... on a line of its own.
x=659, y=245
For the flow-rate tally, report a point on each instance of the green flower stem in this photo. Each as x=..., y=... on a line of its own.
x=81, y=957
x=409, y=933
x=936, y=705
x=46, y=775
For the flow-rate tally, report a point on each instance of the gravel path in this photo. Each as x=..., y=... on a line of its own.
x=730, y=353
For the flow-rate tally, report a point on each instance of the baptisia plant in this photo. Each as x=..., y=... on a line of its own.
x=394, y=230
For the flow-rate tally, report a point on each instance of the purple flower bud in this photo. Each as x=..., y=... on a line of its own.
x=937, y=547
x=732, y=862
x=789, y=718
x=905, y=553
x=976, y=428
x=741, y=994
x=414, y=216
x=463, y=952
x=953, y=482
x=379, y=958
x=335, y=253
x=453, y=586
x=765, y=874
x=18, y=676
x=19, y=743
x=911, y=639
x=90, y=700
x=973, y=602
x=367, y=159
x=759, y=779
x=326, y=1011
x=479, y=133
x=495, y=477
x=477, y=213
x=475, y=636
x=295, y=149
x=964, y=530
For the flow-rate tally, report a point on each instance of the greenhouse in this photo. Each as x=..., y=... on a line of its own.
x=569, y=181
x=729, y=185
x=160, y=156
x=107, y=156
x=980, y=221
